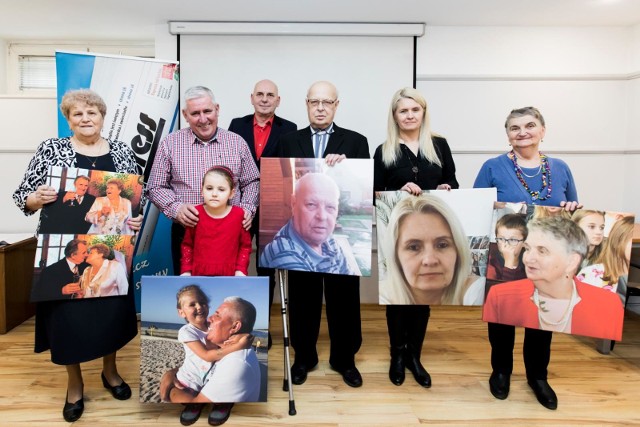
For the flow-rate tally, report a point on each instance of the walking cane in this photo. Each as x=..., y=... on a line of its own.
x=286, y=383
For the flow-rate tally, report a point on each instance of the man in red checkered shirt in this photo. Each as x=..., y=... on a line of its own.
x=184, y=156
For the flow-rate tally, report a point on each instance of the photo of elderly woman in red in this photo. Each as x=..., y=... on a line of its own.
x=551, y=298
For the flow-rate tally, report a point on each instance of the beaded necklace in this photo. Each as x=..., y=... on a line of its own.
x=546, y=176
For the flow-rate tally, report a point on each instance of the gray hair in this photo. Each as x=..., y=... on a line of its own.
x=524, y=111
x=245, y=312
x=72, y=247
x=563, y=229
x=425, y=204
x=196, y=92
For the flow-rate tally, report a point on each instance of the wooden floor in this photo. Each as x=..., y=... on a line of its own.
x=593, y=389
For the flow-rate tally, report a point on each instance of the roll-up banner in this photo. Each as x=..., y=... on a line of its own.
x=142, y=96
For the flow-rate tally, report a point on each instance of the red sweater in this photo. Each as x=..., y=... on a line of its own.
x=598, y=314
x=216, y=246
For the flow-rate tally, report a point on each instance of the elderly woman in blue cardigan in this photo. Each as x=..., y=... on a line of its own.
x=525, y=174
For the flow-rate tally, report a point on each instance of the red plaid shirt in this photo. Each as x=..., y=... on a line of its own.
x=182, y=160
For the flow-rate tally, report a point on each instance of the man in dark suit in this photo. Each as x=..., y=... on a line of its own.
x=66, y=214
x=261, y=130
x=61, y=279
x=324, y=139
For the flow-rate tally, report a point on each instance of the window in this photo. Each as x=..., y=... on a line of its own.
x=36, y=72
x=31, y=66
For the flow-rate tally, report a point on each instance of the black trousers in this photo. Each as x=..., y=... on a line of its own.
x=407, y=326
x=536, y=350
x=177, y=234
x=342, y=297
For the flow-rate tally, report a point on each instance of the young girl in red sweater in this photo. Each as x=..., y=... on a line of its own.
x=218, y=245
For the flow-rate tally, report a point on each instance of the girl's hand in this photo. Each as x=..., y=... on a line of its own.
x=239, y=273
x=242, y=340
x=186, y=273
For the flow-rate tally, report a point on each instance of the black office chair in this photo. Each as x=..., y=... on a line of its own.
x=633, y=290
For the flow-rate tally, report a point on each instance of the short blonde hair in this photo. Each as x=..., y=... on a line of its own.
x=86, y=96
x=103, y=250
x=118, y=183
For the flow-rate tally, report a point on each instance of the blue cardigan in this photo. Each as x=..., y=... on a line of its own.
x=498, y=172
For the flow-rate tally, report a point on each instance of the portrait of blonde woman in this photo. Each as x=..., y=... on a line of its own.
x=428, y=260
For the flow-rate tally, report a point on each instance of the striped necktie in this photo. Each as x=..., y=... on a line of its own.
x=320, y=143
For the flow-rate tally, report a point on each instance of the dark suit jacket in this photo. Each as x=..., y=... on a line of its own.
x=60, y=217
x=342, y=141
x=243, y=126
x=52, y=279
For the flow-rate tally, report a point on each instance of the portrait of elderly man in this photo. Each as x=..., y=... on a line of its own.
x=305, y=242
x=235, y=377
x=60, y=280
x=66, y=214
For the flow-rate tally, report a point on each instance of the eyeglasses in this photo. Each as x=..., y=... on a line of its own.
x=328, y=103
x=510, y=242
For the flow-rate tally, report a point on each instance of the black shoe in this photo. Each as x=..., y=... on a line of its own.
x=220, y=413
x=73, y=411
x=420, y=374
x=120, y=392
x=351, y=376
x=269, y=341
x=191, y=413
x=499, y=385
x=298, y=373
x=396, y=368
x=544, y=393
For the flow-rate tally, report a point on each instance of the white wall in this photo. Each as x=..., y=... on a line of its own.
x=632, y=161
x=27, y=121
x=3, y=65
x=537, y=51
x=578, y=77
